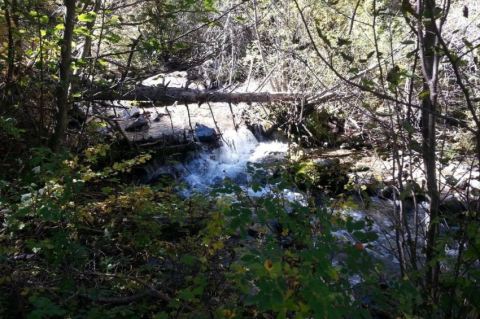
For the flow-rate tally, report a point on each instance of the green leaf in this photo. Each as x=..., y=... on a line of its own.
x=113, y=38
x=424, y=94
x=82, y=31
x=161, y=315
x=393, y=75
x=411, y=54
x=114, y=20
x=467, y=43
x=323, y=37
x=87, y=17
x=44, y=308
x=342, y=42
x=209, y=5
x=44, y=19
x=188, y=260
x=353, y=70
x=60, y=27
x=347, y=57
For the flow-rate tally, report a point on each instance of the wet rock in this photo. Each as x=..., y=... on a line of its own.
x=327, y=174
x=451, y=180
x=135, y=115
x=361, y=168
x=366, y=183
x=475, y=184
x=167, y=173
x=159, y=117
x=474, y=205
x=388, y=192
x=205, y=134
x=241, y=179
x=258, y=131
x=451, y=207
x=355, y=141
x=327, y=162
x=131, y=113
x=139, y=124
x=73, y=124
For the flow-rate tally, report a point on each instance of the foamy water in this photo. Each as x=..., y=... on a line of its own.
x=231, y=161
x=239, y=148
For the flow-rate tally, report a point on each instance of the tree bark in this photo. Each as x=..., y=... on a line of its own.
x=63, y=86
x=11, y=47
x=168, y=96
x=130, y=59
x=87, y=46
x=428, y=41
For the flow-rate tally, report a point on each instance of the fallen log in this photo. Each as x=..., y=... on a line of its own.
x=170, y=95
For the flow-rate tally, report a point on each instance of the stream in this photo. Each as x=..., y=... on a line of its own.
x=233, y=159
x=238, y=149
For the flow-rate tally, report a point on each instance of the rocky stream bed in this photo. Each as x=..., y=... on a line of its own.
x=230, y=145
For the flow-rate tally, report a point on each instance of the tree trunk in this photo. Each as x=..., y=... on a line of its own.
x=130, y=59
x=63, y=86
x=87, y=46
x=168, y=96
x=428, y=41
x=11, y=47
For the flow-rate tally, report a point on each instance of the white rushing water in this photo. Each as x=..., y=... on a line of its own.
x=230, y=160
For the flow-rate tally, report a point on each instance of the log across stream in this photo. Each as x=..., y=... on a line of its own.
x=170, y=109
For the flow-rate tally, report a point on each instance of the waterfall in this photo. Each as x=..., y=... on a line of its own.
x=230, y=160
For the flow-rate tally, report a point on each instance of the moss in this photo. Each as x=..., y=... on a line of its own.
x=324, y=174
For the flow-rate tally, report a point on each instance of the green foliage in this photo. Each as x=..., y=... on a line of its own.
x=44, y=308
x=87, y=17
x=328, y=175
x=226, y=254
x=110, y=241
x=9, y=128
x=79, y=240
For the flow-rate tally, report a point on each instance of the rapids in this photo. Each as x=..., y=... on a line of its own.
x=230, y=160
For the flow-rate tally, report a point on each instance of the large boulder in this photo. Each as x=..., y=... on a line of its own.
x=205, y=134
x=139, y=124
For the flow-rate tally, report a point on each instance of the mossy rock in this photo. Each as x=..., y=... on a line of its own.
x=325, y=174
x=325, y=127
